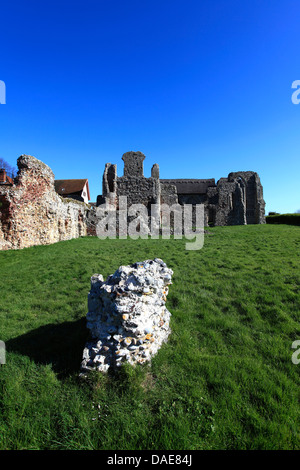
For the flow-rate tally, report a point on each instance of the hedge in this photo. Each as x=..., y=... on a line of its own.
x=290, y=219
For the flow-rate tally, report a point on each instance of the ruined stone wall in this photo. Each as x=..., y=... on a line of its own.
x=255, y=204
x=235, y=200
x=229, y=208
x=139, y=190
x=168, y=194
x=238, y=200
x=32, y=213
x=133, y=164
x=134, y=185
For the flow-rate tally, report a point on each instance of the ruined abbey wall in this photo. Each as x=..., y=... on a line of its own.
x=32, y=213
x=234, y=200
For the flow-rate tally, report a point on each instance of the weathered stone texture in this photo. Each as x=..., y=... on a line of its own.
x=133, y=163
x=138, y=190
x=133, y=184
x=168, y=193
x=253, y=195
x=32, y=213
x=235, y=200
x=127, y=317
x=155, y=171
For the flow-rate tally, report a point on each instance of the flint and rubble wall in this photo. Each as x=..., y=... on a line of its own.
x=32, y=213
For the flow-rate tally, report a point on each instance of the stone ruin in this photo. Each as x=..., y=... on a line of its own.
x=127, y=318
x=32, y=213
x=235, y=200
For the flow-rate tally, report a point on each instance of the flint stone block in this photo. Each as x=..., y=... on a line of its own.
x=129, y=320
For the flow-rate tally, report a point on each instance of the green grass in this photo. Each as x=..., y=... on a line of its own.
x=224, y=380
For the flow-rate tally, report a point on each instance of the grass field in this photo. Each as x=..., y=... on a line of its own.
x=224, y=380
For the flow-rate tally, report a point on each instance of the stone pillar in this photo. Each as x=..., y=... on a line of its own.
x=133, y=164
x=155, y=171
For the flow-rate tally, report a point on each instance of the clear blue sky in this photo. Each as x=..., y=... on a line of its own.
x=202, y=88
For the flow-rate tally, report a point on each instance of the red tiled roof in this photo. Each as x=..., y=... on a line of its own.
x=64, y=187
x=9, y=180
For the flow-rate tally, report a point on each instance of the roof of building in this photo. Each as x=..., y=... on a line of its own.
x=64, y=187
x=4, y=178
x=191, y=186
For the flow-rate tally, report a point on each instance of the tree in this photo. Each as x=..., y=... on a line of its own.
x=10, y=170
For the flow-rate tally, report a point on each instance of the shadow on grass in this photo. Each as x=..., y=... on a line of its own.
x=58, y=344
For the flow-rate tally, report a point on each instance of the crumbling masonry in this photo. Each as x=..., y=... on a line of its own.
x=32, y=213
x=235, y=200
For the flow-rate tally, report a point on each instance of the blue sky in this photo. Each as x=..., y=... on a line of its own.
x=202, y=88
